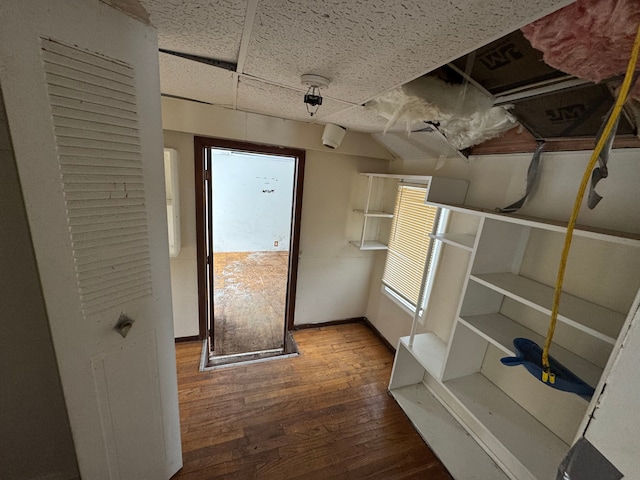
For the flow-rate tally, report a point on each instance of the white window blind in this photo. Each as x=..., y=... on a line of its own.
x=412, y=223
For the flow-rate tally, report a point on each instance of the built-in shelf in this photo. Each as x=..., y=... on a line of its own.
x=521, y=423
x=445, y=436
x=460, y=240
x=374, y=225
x=614, y=236
x=583, y=315
x=375, y=213
x=429, y=350
x=369, y=245
x=538, y=449
x=397, y=176
x=501, y=330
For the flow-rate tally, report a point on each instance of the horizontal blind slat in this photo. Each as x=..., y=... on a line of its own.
x=412, y=223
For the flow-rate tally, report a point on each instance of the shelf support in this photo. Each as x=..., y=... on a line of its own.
x=366, y=210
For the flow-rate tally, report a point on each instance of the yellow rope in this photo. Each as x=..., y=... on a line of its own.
x=622, y=97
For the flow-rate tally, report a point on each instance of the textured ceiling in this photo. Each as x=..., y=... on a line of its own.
x=260, y=97
x=366, y=47
x=207, y=28
x=197, y=81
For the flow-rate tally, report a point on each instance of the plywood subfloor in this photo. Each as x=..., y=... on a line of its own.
x=323, y=415
x=249, y=302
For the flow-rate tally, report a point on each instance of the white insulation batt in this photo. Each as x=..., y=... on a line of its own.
x=591, y=39
x=466, y=116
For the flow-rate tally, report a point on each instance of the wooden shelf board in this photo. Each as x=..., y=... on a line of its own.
x=459, y=452
x=501, y=331
x=429, y=350
x=535, y=446
x=375, y=213
x=461, y=240
x=583, y=315
x=624, y=238
x=369, y=245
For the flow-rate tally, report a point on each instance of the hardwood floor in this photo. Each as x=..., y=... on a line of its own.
x=325, y=414
x=249, y=304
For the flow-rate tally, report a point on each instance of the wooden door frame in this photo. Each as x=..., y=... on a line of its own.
x=200, y=143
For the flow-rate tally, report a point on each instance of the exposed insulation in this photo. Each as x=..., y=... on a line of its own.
x=591, y=39
x=466, y=115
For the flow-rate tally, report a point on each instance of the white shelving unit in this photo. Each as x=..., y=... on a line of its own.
x=381, y=189
x=506, y=292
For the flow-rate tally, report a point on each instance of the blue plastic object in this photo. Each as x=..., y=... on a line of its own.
x=529, y=355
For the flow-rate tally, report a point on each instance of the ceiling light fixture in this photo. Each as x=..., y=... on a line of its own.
x=312, y=98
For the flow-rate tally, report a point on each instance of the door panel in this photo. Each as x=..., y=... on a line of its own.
x=132, y=368
x=81, y=90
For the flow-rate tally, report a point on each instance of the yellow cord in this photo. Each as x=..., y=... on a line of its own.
x=622, y=97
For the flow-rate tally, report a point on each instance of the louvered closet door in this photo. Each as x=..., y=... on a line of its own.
x=82, y=98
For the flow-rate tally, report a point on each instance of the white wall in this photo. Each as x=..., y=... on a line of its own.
x=252, y=198
x=333, y=276
x=36, y=437
x=499, y=180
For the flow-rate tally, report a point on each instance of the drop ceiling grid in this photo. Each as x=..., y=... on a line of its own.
x=194, y=80
x=367, y=47
x=209, y=28
x=259, y=97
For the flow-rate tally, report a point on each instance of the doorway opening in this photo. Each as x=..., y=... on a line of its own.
x=248, y=205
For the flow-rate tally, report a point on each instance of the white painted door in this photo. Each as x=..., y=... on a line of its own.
x=81, y=88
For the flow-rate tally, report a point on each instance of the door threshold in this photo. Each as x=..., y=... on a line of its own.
x=219, y=361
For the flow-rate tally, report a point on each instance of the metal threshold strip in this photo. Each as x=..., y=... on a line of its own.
x=218, y=361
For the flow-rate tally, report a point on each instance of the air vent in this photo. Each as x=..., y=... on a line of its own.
x=93, y=103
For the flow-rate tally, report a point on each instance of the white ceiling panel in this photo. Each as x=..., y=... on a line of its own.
x=369, y=46
x=196, y=81
x=208, y=28
x=260, y=97
x=359, y=118
x=416, y=146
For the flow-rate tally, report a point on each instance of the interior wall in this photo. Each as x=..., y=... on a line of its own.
x=333, y=276
x=36, y=437
x=499, y=180
x=252, y=198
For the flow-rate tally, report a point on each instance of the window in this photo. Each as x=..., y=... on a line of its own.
x=409, y=240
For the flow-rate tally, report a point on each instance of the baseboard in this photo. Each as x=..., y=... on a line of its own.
x=192, y=338
x=363, y=320
x=377, y=333
x=331, y=323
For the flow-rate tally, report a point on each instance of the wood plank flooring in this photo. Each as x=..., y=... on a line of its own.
x=249, y=302
x=325, y=414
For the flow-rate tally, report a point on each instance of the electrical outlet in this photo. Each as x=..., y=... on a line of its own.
x=275, y=243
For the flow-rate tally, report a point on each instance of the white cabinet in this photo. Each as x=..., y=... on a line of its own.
x=377, y=209
x=502, y=289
